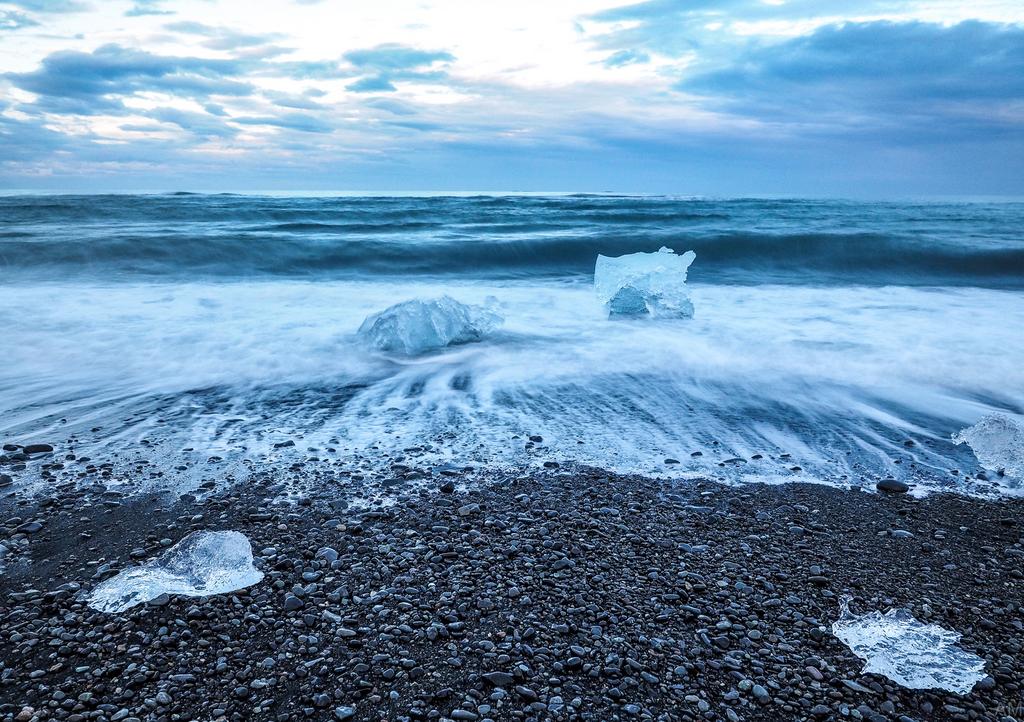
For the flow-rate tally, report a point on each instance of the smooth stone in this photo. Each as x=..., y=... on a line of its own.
x=892, y=486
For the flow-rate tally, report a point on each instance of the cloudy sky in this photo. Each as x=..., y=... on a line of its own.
x=715, y=97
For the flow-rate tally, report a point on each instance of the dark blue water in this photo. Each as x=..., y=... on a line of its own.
x=827, y=334
x=738, y=241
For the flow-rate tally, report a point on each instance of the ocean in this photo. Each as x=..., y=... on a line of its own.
x=832, y=341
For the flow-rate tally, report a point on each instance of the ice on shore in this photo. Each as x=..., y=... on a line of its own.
x=645, y=284
x=201, y=564
x=415, y=327
x=910, y=653
x=998, y=442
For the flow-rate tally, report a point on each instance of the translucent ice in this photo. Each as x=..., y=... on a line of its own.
x=201, y=564
x=645, y=283
x=998, y=442
x=912, y=654
x=415, y=327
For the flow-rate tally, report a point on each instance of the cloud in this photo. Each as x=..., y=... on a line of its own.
x=13, y=20
x=303, y=122
x=667, y=27
x=372, y=84
x=147, y=7
x=201, y=125
x=626, y=57
x=679, y=27
x=384, y=64
x=75, y=82
x=390, y=105
x=299, y=69
x=221, y=38
x=50, y=6
x=395, y=57
x=28, y=142
x=299, y=102
x=910, y=77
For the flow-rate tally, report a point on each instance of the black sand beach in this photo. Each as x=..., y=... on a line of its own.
x=567, y=595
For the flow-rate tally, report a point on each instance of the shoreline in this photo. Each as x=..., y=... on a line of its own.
x=574, y=594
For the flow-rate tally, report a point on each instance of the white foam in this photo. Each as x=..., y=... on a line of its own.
x=910, y=653
x=202, y=564
x=839, y=377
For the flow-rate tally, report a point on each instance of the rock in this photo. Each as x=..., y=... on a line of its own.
x=892, y=486
x=683, y=599
x=498, y=679
x=855, y=686
x=448, y=487
x=37, y=449
x=328, y=554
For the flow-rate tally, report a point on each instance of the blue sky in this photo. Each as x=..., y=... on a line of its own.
x=781, y=97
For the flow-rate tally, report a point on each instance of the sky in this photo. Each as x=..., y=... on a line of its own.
x=853, y=98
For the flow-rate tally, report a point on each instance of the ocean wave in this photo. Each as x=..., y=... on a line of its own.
x=748, y=241
x=729, y=258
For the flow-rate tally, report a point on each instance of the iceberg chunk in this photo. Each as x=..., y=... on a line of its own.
x=998, y=442
x=912, y=654
x=645, y=283
x=202, y=564
x=416, y=327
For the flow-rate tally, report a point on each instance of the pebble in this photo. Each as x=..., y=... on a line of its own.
x=892, y=486
x=581, y=595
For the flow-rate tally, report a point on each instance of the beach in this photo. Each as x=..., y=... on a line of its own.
x=568, y=594
x=438, y=361
x=510, y=458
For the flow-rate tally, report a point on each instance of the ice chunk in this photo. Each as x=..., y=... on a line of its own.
x=415, y=327
x=645, y=283
x=201, y=564
x=912, y=654
x=998, y=442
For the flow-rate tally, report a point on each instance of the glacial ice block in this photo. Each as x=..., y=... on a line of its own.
x=202, y=564
x=998, y=442
x=640, y=284
x=415, y=327
x=912, y=654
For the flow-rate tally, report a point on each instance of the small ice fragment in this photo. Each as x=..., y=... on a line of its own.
x=645, y=283
x=998, y=442
x=911, y=654
x=202, y=564
x=415, y=327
